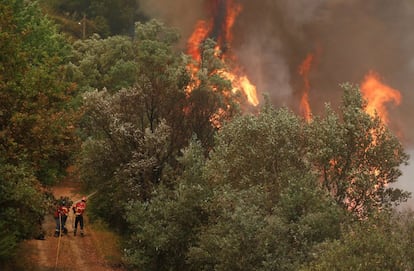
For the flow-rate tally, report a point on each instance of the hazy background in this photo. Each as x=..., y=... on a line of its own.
x=348, y=38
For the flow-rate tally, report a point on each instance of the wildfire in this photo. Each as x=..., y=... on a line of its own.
x=200, y=33
x=304, y=69
x=378, y=95
x=242, y=82
x=223, y=14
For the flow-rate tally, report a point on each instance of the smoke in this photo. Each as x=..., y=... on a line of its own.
x=181, y=14
x=348, y=37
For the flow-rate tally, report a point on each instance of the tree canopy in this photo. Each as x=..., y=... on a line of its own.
x=135, y=134
x=356, y=156
x=37, y=120
x=82, y=18
x=264, y=203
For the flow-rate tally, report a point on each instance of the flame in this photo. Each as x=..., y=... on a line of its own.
x=249, y=89
x=243, y=83
x=223, y=15
x=199, y=34
x=378, y=95
x=304, y=70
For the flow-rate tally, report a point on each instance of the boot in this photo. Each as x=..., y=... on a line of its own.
x=74, y=232
x=57, y=233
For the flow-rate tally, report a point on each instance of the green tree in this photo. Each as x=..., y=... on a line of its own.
x=104, y=17
x=36, y=123
x=266, y=207
x=122, y=158
x=356, y=156
x=163, y=229
x=23, y=208
x=383, y=243
x=267, y=210
x=263, y=149
x=137, y=132
x=243, y=235
x=99, y=63
x=37, y=132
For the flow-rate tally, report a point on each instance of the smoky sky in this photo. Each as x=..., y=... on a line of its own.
x=349, y=38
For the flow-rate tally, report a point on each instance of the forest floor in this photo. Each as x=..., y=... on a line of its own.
x=97, y=250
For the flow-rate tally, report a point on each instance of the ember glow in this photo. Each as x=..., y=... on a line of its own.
x=223, y=14
x=304, y=69
x=378, y=96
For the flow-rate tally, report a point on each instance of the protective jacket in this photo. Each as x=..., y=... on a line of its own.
x=79, y=208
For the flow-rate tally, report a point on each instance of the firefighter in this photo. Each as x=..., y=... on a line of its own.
x=78, y=210
x=64, y=215
x=60, y=215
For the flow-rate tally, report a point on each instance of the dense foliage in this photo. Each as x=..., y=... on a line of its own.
x=134, y=134
x=190, y=182
x=383, y=243
x=356, y=156
x=82, y=18
x=37, y=124
x=261, y=203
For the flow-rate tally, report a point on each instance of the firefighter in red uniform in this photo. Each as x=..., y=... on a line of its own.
x=64, y=214
x=61, y=215
x=78, y=210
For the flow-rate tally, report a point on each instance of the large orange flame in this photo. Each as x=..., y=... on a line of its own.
x=304, y=70
x=223, y=16
x=199, y=34
x=378, y=96
x=242, y=83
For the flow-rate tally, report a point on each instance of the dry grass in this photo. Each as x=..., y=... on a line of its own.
x=23, y=259
x=107, y=243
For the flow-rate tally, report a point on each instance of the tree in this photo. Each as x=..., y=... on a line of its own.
x=264, y=207
x=23, y=208
x=163, y=229
x=103, y=63
x=136, y=132
x=356, y=156
x=37, y=131
x=266, y=210
x=36, y=121
x=211, y=101
x=122, y=159
x=147, y=63
x=262, y=149
x=383, y=243
x=133, y=129
x=104, y=17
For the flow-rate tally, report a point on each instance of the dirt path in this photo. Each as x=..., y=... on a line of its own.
x=68, y=252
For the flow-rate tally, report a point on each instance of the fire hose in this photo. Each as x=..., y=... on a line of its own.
x=61, y=228
x=60, y=237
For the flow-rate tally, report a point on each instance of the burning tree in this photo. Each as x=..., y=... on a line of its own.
x=222, y=16
x=356, y=156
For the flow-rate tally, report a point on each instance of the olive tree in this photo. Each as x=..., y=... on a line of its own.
x=164, y=228
x=382, y=243
x=266, y=210
x=356, y=156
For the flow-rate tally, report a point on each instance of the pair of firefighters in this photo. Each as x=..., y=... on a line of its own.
x=61, y=215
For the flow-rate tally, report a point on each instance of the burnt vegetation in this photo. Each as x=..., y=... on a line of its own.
x=188, y=178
